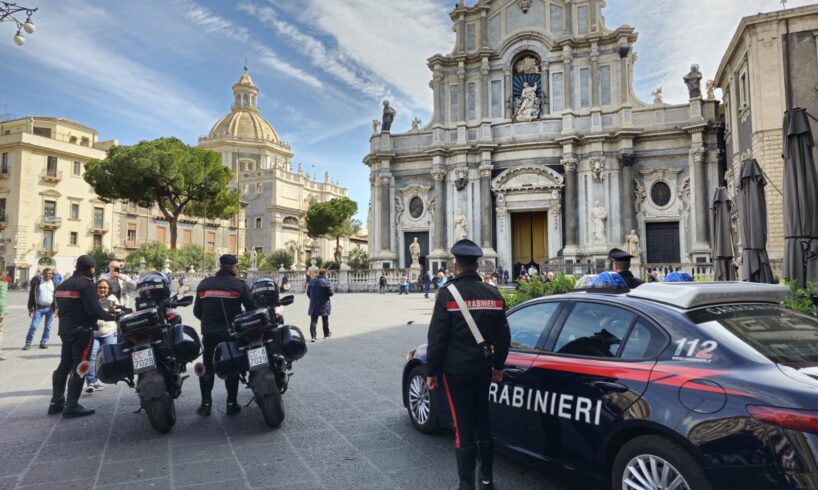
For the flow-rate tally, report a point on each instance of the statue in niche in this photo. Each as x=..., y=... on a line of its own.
x=414, y=251
x=710, y=86
x=461, y=225
x=388, y=117
x=599, y=217
x=658, y=97
x=528, y=105
x=632, y=244
x=693, y=80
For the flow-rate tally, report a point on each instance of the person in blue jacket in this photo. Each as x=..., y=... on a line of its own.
x=319, y=291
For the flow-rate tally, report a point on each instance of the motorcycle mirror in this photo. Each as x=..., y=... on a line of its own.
x=183, y=290
x=286, y=300
x=185, y=301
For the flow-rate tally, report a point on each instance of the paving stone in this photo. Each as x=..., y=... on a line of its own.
x=207, y=471
x=57, y=471
x=81, y=484
x=268, y=474
x=69, y=451
x=133, y=470
x=156, y=483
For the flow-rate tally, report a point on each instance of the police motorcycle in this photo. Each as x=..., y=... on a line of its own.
x=263, y=350
x=154, y=347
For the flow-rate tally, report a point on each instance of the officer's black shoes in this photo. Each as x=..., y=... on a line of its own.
x=328, y=335
x=204, y=409
x=55, y=408
x=233, y=408
x=466, y=463
x=485, y=453
x=76, y=410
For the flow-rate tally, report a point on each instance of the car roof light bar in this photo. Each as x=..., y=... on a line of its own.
x=688, y=295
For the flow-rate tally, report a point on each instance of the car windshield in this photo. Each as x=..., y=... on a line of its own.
x=781, y=335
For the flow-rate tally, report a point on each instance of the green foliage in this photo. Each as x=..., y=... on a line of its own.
x=333, y=219
x=194, y=255
x=103, y=257
x=358, y=259
x=536, y=288
x=278, y=258
x=246, y=261
x=154, y=254
x=800, y=299
x=166, y=172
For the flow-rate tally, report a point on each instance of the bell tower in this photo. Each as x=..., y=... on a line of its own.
x=245, y=93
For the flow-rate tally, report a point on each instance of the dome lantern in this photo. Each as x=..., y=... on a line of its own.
x=244, y=121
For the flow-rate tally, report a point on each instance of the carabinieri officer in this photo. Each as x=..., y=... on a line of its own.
x=466, y=359
x=218, y=300
x=621, y=264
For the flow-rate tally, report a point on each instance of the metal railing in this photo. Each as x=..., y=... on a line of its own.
x=53, y=175
x=50, y=222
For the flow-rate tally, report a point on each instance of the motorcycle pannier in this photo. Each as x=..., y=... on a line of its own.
x=251, y=321
x=141, y=321
x=291, y=341
x=228, y=360
x=186, y=343
x=113, y=364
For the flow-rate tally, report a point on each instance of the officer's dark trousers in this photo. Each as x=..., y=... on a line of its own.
x=314, y=325
x=209, y=343
x=468, y=399
x=71, y=353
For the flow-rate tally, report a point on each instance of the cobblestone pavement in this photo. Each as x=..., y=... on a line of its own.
x=345, y=424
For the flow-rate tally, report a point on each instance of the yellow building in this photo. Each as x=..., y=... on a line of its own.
x=49, y=215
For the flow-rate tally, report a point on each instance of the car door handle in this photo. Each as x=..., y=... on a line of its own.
x=609, y=387
x=514, y=372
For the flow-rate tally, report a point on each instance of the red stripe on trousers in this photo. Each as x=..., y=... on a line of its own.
x=454, y=414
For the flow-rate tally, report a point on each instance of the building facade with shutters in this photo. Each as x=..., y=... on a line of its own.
x=540, y=151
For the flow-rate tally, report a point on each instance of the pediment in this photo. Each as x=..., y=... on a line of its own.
x=527, y=178
x=50, y=193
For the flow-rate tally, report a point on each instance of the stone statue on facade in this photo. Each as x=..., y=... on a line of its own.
x=599, y=217
x=416, y=124
x=338, y=251
x=711, y=89
x=461, y=225
x=658, y=96
x=693, y=80
x=376, y=123
x=528, y=106
x=253, y=260
x=461, y=179
x=414, y=251
x=632, y=244
x=388, y=117
x=527, y=65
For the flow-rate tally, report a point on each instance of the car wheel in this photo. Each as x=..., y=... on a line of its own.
x=422, y=406
x=657, y=463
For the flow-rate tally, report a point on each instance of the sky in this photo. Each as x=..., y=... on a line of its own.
x=153, y=68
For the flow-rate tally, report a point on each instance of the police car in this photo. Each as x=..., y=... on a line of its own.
x=667, y=386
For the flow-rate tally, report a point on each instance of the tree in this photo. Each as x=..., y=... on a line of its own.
x=102, y=257
x=177, y=178
x=333, y=219
x=358, y=259
x=194, y=255
x=278, y=258
x=154, y=254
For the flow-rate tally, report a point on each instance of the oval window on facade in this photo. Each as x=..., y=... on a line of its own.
x=416, y=207
x=660, y=194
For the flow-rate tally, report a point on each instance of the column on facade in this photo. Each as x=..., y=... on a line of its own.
x=461, y=93
x=439, y=96
x=571, y=203
x=439, y=176
x=484, y=29
x=594, y=75
x=484, y=88
x=567, y=59
x=624, y=87
x=507, y=92
x=701, y=199
x=486, y=202
x=627, y=162
x=385, y=180
x=569, y=17
x=545, y=81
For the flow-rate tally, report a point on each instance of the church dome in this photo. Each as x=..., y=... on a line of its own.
x=244, y=120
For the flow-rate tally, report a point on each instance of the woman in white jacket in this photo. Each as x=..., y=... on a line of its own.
x=106, y=334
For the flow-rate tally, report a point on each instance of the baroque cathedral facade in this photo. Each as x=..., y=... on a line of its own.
x=540, y=151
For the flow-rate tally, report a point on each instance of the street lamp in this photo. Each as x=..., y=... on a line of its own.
x=7, y=11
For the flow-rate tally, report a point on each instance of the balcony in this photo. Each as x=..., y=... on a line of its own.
x=99, y=228
x=4, y=174
x=49, y=251
x=2, y=221
x=51, y=175
x=131, y=245
x=50, y=222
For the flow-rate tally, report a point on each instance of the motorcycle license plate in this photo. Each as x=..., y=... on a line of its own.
x=143, y=360
x=257, y=358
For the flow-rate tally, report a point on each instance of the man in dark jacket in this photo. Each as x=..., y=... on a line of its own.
x=79, y=310
x=427, y=284
x=621, y=264
x=219, y=299
x=319, y=292
x=465, y=365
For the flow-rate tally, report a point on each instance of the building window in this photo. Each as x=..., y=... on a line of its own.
x=496, y=98
x=743, y=92
x=3, y=209
x=258, y=223
x=97, y=240
x=187, y=237
x=584, y=87
x=454, y=94
x=85, y=141
x=557, y=92
x=43, y=132
x=75, y=211
x=471, y=37
x=557, y=21
x=51, y=166
x=72, y=140
x=161, y=235
x=605, y=85
x=582, y=20
x=73, y=238
x=4, y=168
x=99, y=218
x=77, y=168
x=48, y=241
x=50, y=209
x=211, y=241
x=471, y=102
x=131, y=232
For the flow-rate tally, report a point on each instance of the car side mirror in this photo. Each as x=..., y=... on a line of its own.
x=286, y=300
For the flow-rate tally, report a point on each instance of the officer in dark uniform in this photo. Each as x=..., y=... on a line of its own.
x=464, y=369
x=79, y=310
x=621, y=264
x=218, y=300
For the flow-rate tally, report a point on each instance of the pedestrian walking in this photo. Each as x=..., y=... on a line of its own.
x=218, y=300
x=121, y=284
x=4, y=308
x=79, y=311
x=319, y=292
x=56, y=277
x=382, y=284
x=505, y=277
x=40, y=304
x=404, y=285
x=105, y=334
x=427, y=284
x=468, y=342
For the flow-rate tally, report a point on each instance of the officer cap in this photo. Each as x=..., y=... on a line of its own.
x=228, y=259
x=85, y=263
x=467, y=249
x=618, y=254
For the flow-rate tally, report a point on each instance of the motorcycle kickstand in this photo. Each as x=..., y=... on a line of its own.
x=251, y=401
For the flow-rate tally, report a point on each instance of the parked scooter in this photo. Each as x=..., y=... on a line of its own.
x=154, y=347
x=263, y=347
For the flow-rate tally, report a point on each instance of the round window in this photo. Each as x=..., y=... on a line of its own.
x=416, y=207
x=660, y=194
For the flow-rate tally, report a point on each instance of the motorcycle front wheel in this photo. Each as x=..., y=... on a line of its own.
x=268, y=396
x=156, y=401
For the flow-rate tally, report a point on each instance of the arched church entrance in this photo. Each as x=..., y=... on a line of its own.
x=529, y=239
